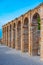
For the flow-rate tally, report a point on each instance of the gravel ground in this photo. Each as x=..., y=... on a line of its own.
x=9, y=56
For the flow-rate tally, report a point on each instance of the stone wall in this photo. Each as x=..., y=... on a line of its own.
x=23, y=34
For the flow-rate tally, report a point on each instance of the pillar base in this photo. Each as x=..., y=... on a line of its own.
x=23, y=50
x=13, y=46
x=6, y=44
x=35, y=52
x=41, y=59
x=16, y=47
x=9, y=44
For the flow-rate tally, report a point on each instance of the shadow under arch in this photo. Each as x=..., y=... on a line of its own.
x=19, y=35
x=26, y=35
x=36, y=34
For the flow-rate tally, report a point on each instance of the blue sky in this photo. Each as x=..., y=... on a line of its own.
x=10, y=9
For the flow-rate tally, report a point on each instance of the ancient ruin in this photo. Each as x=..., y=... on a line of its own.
x=25, y=33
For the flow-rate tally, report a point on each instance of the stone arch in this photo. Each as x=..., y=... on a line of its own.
x=25, y=34
x=19, y=35
x=36, y=34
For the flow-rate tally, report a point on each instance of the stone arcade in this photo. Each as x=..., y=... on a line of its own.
x=22, y=33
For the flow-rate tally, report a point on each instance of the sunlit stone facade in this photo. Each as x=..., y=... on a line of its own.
x=22, y=33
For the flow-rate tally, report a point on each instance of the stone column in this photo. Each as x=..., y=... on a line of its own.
x=16, y=37
x=41, y=35
x=3, y=35
x=41, y=49
x=12, y=43
x=6, y=36
x=9, y=43
x=22, y=45
x=31, y=51
x=30, y=36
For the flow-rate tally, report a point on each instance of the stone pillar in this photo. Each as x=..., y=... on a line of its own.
x=12, y=43
x=3, y=36
x=41, y=49
x=16, y=37
x=41, y=43
x=30, y=36
x=6, y=35
x=22, y=45
x=9, y=43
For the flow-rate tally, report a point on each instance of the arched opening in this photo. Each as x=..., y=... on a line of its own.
x=26, y=35
x=36, y=34
x=14, y=32
x=19, y=35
